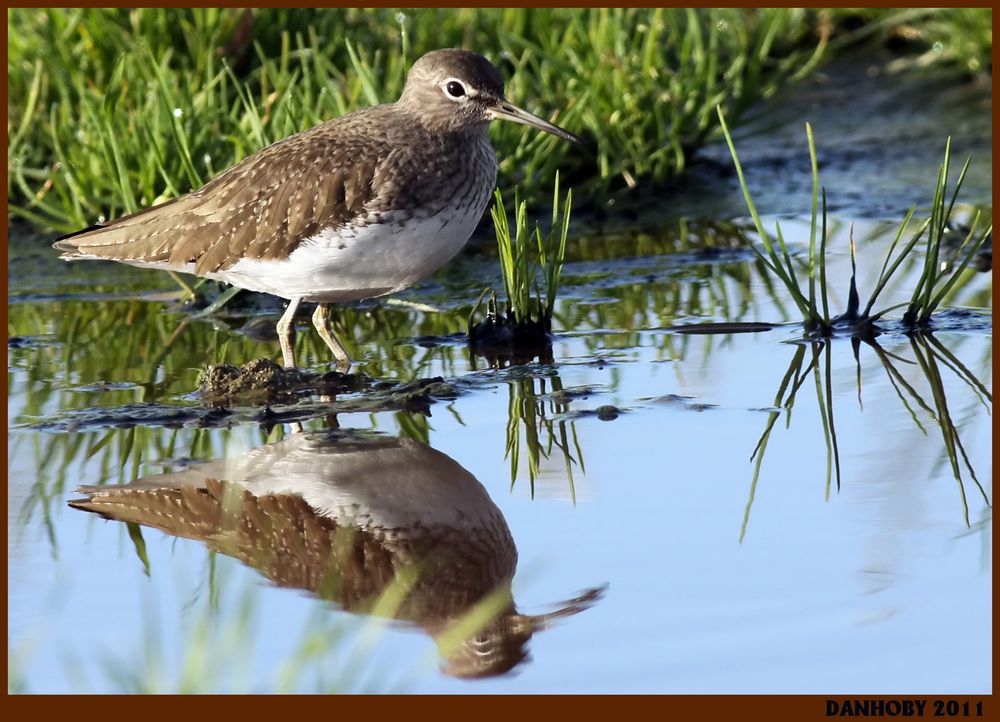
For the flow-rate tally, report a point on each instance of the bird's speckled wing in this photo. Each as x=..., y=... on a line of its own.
x=261, y=208
x=280, y=534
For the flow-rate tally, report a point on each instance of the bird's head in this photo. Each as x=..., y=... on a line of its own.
x=455, y=89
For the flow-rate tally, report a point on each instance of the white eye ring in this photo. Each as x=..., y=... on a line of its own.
x=454, y=89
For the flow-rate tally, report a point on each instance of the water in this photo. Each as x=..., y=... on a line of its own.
x=632, y=501
x=879, y=586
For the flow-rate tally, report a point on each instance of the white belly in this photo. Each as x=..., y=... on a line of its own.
x=352, y=263
x=398, y=484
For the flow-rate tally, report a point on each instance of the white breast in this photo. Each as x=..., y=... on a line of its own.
x=400, y=486
x=387, y=254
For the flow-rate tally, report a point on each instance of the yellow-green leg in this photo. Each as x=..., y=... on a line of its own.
x=286, y=333
x=321, y=320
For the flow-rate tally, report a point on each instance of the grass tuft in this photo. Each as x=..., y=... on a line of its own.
x=521, y=259
x=935, y=283
x=526, y=254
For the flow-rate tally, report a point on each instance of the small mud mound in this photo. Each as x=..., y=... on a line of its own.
x=501, y=338
x=262, y=381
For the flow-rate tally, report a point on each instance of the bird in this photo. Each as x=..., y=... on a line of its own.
x=360, y=206
x=354, y=517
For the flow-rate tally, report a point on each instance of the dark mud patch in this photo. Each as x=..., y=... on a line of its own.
x=451, y=339
x=263, y=382
x=42, y=341
x=129, y=415
x=502, y=338
x=877, y=137
x=415, y=397
x=869, y=328
x=950, y=320
x=686, y=403
x=722, y=328
x=953, y=320
x=606, y=412
x=102, y=387
x=566, y=396
x=263, y=393
x=610, y=412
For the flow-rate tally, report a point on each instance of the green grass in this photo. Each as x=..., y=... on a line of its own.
x=526, y=251
x=114, y=109
x=942, y=40
x=937, y=281
x=521, y=330
x=809, y=291
x=111, y=110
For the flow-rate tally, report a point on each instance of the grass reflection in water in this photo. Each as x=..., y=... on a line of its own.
x=929, y=357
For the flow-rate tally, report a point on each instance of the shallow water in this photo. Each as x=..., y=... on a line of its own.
x=879, y=138
x=621, y=471
x=882, y=585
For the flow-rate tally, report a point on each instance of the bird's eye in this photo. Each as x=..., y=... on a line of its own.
x=455, y=89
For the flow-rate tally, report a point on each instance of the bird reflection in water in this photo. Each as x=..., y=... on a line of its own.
x=346, y=516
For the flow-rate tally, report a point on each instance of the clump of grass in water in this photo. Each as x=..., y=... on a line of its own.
x=523, y=326
x=811, y=296
x=936, y=281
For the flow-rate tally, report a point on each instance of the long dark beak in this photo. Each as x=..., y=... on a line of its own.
x=505, y=110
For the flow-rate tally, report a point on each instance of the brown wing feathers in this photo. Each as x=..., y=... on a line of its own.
x=263, y=207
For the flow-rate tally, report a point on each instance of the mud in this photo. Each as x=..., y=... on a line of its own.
x=262, y=381
x=501, y=338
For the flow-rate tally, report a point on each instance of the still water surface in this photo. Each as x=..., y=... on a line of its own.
x=615, y=482
x=694, y=579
